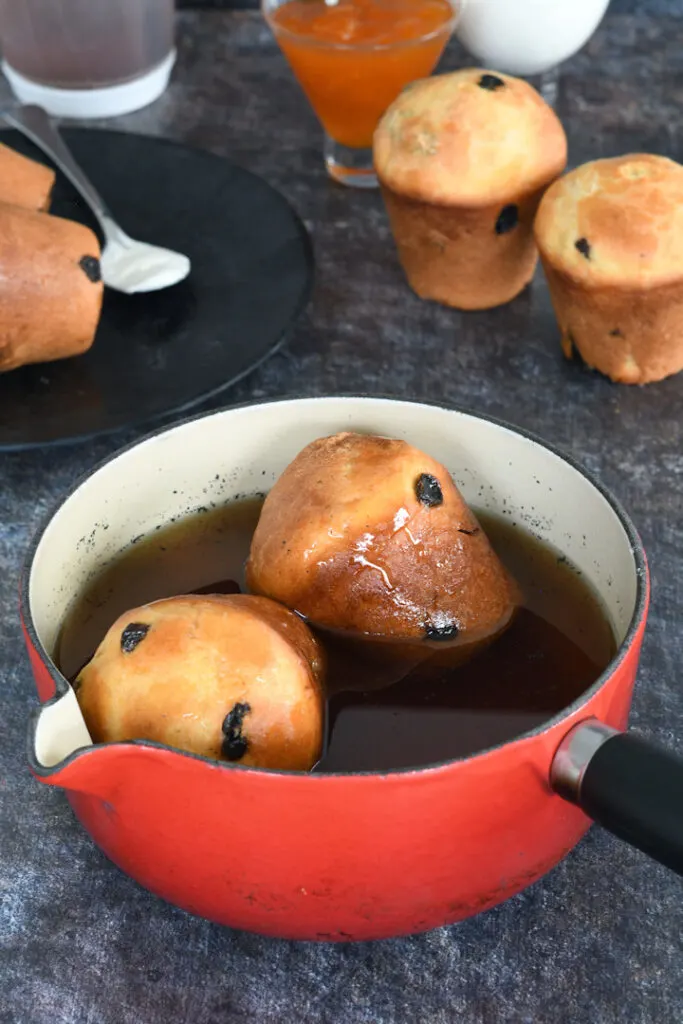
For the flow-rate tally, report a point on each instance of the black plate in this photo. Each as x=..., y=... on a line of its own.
x=164, y=352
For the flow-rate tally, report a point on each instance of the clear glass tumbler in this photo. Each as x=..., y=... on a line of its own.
x=352, y=58
x=87, y=58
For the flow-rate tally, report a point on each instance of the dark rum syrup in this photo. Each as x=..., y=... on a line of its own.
x=384, y=718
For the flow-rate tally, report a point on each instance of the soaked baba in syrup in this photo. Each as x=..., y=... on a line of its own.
x=382, y=713
x=232, y=677
x=369, y=535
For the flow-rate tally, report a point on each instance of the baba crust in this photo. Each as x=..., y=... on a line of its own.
x=610, y=236
x=463, y=160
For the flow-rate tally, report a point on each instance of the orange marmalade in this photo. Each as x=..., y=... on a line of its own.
x=353, y=57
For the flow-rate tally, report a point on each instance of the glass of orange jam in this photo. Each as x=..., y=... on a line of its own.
x=352, y=58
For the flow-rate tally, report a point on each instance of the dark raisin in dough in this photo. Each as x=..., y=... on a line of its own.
x=90, y=266
x=508, y=219
x=428, y=490
x=132, y=635
x=235, y=745
x=616, y=333
x=583, y=245
x=448, y=632
x=491, y=83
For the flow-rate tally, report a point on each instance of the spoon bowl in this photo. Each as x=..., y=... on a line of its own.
x=130, y=266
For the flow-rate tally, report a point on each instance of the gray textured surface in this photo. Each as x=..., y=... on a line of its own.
x=597, y=941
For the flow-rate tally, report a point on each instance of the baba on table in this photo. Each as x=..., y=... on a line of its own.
x=463, y=160
x=612, y=250
x=470, y=167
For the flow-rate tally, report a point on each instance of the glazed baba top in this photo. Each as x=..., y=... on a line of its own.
x=234, y=677
x=616, y=222
x=371, y=535
x=471, y=138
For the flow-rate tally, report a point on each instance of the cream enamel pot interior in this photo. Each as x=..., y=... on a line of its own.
x=350, y=856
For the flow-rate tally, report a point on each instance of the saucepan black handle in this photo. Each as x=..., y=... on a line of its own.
x=629, y=786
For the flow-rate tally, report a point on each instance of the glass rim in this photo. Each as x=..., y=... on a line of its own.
x=267, y=9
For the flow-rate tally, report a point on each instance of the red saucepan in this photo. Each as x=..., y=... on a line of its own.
x=366, y=855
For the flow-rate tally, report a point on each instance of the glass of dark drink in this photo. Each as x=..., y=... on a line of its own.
x=87, y=58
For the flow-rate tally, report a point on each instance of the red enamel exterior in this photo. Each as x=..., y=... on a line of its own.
x=334, y=857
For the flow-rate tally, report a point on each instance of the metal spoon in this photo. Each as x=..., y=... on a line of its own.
x=127, y=265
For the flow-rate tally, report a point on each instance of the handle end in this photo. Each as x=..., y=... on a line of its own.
x=574, y=755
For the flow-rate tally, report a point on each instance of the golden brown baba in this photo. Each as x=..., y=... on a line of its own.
x=236, y=678
x=50, y=287
x=367, y=534
x=611, y=240
x=463, y=160
x=24, y=182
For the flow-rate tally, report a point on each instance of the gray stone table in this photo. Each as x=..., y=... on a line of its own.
x=599, y=940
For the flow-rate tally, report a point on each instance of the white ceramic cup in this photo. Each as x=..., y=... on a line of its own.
x=527, y=37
